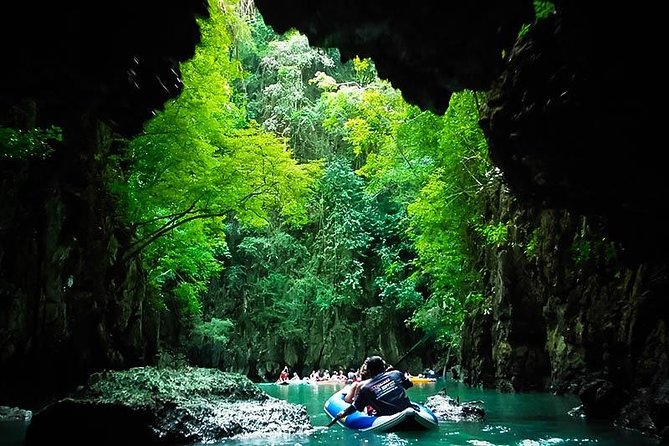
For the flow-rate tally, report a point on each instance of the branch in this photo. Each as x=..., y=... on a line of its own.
x=167, y=228
x=175, y=223
x=406, y=160
x=173, y=217
x=474, y=177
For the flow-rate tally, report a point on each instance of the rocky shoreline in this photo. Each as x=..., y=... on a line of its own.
x=148, y=405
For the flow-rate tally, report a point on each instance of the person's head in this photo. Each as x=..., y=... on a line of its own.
x=362, y=372
x=375, y=365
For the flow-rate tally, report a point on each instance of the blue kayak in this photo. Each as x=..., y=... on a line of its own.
x=417, y=417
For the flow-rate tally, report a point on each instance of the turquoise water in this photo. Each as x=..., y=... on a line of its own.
x=530, y=419
x=12, y=432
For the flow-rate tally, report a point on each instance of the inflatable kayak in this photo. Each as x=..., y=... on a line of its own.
x=419, y=380
x=417, y=417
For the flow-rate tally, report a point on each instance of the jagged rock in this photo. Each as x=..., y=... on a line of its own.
x=428, y=51
x=14, y=414
x=602, y=399
x=165, y=406
x=505, y=386
x=636, y=414
x=577, y=412
x=69, y=303
x=562, y=299
x=447, y=408
x=457, y=373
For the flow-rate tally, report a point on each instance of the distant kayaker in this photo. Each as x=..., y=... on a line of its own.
x=283, y=376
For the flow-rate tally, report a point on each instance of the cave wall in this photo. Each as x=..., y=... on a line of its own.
x=568, y=130
x=571, y=123
x=565, y=313
x=69, y=303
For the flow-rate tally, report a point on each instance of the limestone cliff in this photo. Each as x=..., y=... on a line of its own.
x=69, y=303
x=565, y=311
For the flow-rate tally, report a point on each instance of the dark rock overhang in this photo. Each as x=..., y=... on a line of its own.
x=114, y=61
x=570, y=118
x=565, y=120
x=427, y=49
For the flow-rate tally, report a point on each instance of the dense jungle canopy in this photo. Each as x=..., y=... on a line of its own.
x=287, y=201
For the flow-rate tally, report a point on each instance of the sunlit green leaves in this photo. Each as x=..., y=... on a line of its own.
x=281, y=97
x=376, y=228
x=445, y=213
x=201, y=161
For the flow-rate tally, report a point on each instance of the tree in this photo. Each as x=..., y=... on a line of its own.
x=444, y=216
x=200, y=161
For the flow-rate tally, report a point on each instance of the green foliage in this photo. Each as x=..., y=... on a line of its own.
x=397, y=284
x=199, y=162
x=376, y=231
x=532, y=247
x=362, y=119
x=282, y=99
x=495, y=234
x=269, y=291
x=342, y=213
x=524, y=29
x=365, y=72
x=215, y=331
x=444, y=214
x=581, y=251
x=24, y=144
x=543, y=9
x=587, y=249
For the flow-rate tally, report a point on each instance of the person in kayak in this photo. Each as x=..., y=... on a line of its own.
x=385, y=391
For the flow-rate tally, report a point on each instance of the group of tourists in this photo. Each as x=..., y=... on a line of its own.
x=336, y=376
x=320, y=375
x=376, y=388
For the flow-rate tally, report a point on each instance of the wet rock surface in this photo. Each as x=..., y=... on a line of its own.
x=165, y=406
x=449, y=409
x=565, y=315
x=14, y=414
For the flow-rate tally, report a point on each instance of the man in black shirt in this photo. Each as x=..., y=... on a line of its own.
x=385, y=391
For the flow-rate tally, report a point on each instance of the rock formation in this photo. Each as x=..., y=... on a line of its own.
x=165, y=406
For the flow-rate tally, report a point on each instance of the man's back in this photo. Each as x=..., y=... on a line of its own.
x=385, y=393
